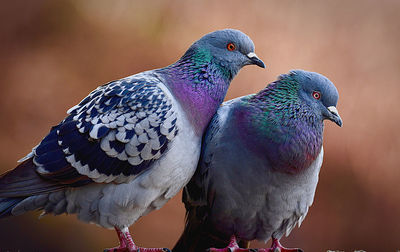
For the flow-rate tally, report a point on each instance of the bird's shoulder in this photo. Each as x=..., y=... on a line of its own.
x=213, y=145
x=222, y=122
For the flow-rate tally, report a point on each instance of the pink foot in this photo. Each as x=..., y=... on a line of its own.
x=232, y=247
x=116, y=249
x=138, y=249
x=126, y=244
x=277, y=247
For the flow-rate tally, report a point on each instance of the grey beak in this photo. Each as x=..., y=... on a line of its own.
x=255, y=60
x=334, y=116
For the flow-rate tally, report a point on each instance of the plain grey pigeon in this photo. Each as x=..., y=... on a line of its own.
x=131, y=144
x=259, y=165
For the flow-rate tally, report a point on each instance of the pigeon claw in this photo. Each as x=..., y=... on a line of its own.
x=277, y=247
x=139, y=249
x=117, y=249
x=231, y=250
x=153, y=250
x=280, y=250
x=219, y=250
x=232, y=247
x=127, y=244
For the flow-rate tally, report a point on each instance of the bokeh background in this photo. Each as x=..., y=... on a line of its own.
x=53, y=53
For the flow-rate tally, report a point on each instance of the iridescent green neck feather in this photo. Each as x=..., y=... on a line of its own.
x=199, y=83
x=285, y=130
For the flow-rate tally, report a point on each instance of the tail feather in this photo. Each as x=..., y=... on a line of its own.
x=190, y=236
x=24, y=181
x=23, y=189
x=199, y=235
x=7, y=205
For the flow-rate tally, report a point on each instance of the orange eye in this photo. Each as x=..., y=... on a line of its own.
x=230, y=46
x=316, y=95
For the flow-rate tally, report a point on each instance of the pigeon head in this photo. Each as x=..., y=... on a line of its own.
x=287, y=116
x=318, y=92
x=229, y=49
x=201, y=77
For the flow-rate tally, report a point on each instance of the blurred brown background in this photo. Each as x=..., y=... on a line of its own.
x=54, y=52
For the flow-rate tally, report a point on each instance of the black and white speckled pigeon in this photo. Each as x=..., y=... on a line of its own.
x=259, y=165
x=131, y=144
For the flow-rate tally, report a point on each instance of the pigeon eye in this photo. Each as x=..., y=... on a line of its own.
x=316, y=95
x=231, y=47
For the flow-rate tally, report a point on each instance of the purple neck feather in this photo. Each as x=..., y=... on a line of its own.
x=289, y=137
x=199, y=85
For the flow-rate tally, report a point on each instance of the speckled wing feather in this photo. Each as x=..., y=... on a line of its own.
x=112, y=135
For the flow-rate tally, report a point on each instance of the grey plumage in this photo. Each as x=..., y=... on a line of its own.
x=259, y=164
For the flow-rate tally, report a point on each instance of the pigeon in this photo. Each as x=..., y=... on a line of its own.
x=131, y=144
x=259, y=165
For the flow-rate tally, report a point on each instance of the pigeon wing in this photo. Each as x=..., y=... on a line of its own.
x=112, y=135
